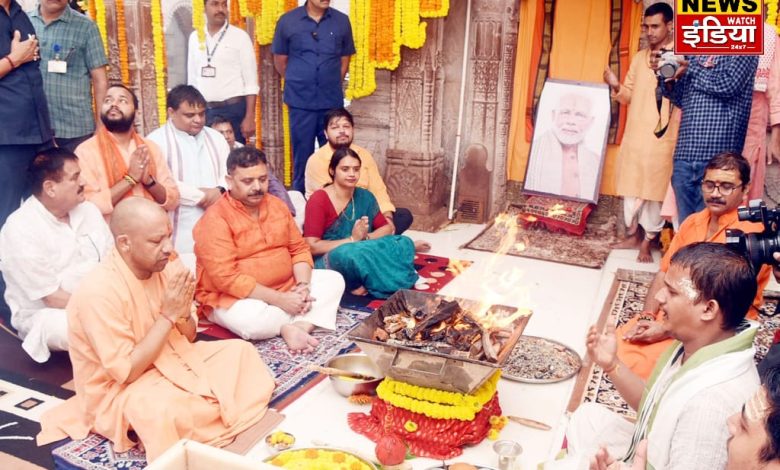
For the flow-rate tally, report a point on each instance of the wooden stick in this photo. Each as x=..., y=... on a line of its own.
x=339, y=372
x=530, y=423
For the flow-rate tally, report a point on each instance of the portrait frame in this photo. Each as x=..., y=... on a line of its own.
x=569, y=144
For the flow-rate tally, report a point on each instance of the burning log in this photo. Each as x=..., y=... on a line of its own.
x=444, y=327
x=443, y=312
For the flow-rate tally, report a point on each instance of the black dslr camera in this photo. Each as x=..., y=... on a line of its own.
x=757, y=247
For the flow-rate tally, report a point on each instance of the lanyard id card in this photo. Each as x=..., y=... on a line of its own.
x=57, y=66
x=208, y=71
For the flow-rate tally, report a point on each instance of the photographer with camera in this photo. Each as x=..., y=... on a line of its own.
x=715, y=94
x=644, y=164
x=725, y=184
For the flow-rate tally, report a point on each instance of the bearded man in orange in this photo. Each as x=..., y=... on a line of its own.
x=136, y=365
x=117, y=162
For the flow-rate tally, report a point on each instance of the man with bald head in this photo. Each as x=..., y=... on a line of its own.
x=560, y=164
x=135, y=362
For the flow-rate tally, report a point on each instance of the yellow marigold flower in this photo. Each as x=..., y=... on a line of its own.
x=493, y=434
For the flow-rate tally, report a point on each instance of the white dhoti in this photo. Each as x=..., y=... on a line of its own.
x=43, y=332
x=254, y=319
x=591, y=427
x=646, y=213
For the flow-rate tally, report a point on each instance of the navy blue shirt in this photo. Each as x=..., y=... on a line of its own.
x=314, y=51
x=23, y=111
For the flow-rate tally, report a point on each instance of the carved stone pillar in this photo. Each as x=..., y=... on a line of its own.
x=415, y=157
x=493, y=42
x=271, y=105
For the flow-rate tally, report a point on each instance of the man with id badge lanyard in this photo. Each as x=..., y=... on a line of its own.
x=224, y=70
x=73, y=61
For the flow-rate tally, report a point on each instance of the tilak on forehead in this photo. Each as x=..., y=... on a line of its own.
x=688, y=289
x=757, y=407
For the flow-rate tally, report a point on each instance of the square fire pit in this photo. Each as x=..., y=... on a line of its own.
x=430, y=363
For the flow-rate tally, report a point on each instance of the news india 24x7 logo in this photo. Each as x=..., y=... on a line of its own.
x=718, y=27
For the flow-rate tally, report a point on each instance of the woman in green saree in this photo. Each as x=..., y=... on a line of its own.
x=347, y=233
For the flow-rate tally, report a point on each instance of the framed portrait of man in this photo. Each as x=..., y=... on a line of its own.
x=570, y=141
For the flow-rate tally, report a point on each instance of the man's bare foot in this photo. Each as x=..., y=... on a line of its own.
x=421, y=246
x=629, y=243
x=645, y=255
x=361, y=291
x=298, y=340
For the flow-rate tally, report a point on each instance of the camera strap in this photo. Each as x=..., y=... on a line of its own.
x=660, y=128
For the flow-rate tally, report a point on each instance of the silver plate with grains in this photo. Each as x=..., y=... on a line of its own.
x=541, y=360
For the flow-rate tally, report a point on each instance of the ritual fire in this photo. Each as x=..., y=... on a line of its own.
x=440, y=342
x=445, y=328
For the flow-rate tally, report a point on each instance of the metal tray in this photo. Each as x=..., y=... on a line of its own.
x=370, y=464
x=447, y=466
x=427, y=368
x=511, y=367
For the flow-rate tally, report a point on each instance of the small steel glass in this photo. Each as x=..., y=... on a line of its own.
x=507, y=452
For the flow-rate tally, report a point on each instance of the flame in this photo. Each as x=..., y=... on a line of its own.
x=455, y=266
x=503, y=285
x=557, y=209
x=442, y=325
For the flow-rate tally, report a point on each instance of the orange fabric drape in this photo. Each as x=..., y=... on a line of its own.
x=581, y=41
x=580, y=51
x=531, y=16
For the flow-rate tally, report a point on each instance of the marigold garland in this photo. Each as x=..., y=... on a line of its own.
x=434, y=8
x=199, y=22
x=437, y=404
x=100, y=21
x=412, y=30
x=121, y=37
x=382, y=32
x=771, y=14
x=243, y=8
x=287, y=144
x=236, y=14
x=265, y=27
x=159, y=59
x=362, y=77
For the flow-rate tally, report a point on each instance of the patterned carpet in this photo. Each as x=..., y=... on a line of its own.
x=625, y=300
x=590, y=251
x=292, y=377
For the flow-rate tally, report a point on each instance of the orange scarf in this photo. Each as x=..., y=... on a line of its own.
x=116, y=168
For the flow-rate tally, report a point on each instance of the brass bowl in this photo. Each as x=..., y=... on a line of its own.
x=279, y=446
x=355, y=362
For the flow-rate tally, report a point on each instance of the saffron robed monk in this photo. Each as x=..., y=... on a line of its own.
x=136, y=365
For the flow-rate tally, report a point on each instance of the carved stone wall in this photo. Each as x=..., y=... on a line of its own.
x=410, y=123
x=415, y=157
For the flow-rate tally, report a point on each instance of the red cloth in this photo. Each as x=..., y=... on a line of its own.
x=320, y=215
x=556, y=214
x=439, y=439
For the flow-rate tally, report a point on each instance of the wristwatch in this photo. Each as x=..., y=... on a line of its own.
x=151, y=182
